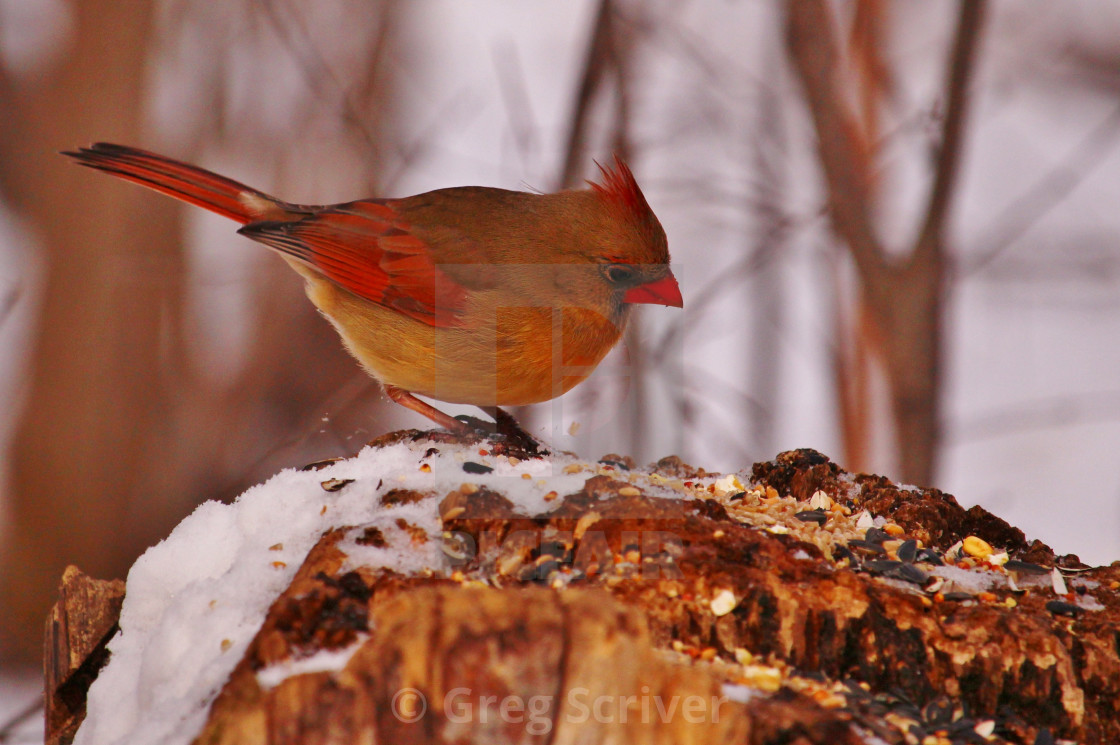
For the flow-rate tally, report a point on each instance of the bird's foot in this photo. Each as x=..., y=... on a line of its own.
x=512, y=436
x=514, y=440
x=515, y=433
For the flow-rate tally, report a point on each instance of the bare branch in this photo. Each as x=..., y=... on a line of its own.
x=599, y=56
x=10, y=728
x=1053, y=412
x=515, y=95
x=1050, y=190
x=962, y=59
x=317, y=70
x=813, y=48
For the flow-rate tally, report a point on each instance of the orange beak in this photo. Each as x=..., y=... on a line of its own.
x=664, y=291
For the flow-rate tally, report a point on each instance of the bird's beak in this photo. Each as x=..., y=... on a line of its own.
x=664, y=291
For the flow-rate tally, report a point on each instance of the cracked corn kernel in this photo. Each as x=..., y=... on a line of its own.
x=976, y=547
x=763, y=678
x=585, y=522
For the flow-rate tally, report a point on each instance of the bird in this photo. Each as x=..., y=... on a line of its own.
x=466, y=295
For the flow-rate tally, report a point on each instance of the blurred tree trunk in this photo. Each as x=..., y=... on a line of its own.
x=121, y=435
x=82, y=437
x=858, y=351
x=904, y=295
x=769, y=163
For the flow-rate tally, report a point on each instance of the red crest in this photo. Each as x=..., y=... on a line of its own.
x=620, y=189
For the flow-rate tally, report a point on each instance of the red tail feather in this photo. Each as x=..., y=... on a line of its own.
x=182, y=181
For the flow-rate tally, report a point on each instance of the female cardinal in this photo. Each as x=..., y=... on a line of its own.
x=467, y=295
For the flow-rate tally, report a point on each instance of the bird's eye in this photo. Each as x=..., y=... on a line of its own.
x=619, y=274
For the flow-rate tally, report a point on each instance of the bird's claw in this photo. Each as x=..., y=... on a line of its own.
x=512, y=435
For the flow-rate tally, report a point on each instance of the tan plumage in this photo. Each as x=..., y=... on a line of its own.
x=467, y=295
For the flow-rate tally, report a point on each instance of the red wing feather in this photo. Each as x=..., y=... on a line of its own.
x=367, y=248
x=363, y=246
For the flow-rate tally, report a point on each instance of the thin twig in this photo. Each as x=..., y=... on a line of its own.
x=9, y=302
x=1054, y=412
x=963, y=57
x=316, y=71
x=598, y=60
x=8, y=728
x=515, y=97
x=1050, y=190
x=813, y=48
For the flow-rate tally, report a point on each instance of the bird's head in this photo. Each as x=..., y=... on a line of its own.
x=628, y=243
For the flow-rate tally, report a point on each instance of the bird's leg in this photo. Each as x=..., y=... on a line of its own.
x=406, y=399
x=508, y=427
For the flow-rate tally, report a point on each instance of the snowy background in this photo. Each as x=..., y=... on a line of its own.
x=338, y=99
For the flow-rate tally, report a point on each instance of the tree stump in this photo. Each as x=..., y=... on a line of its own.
x=761, y=612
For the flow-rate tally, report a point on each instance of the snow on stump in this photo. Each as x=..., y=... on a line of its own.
x=440, y=589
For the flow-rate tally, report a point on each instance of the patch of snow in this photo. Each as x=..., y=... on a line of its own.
x=968, y=580
x=1088, y=602
x=327, y=660
x=194, y=601
x=740, y=693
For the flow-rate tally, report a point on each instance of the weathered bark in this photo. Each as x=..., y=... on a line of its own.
x=79, y=626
